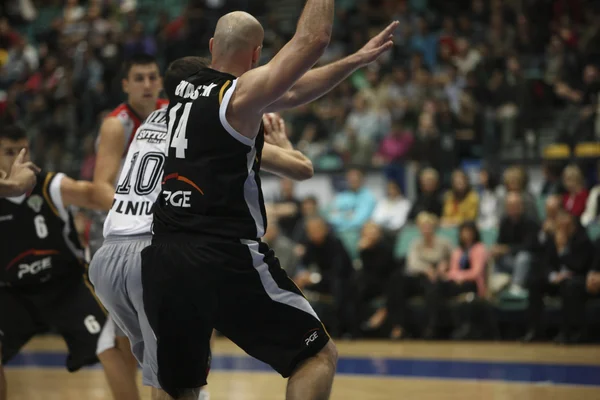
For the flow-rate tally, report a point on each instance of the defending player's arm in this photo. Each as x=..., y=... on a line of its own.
x=320, y=81
x=21, y=179
x=262, y=86
x=108, y=161
x=84, y=194
x=279, y=156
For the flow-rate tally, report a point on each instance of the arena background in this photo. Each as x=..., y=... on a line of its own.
x=505, y=90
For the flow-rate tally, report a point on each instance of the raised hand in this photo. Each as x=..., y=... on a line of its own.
x=275, y=131
x=381, y=43
x=22, y=173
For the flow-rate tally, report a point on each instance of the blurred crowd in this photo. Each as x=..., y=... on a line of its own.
x=490, y=80
x=472, y=250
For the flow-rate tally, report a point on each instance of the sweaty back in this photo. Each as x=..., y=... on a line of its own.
x=211, y=184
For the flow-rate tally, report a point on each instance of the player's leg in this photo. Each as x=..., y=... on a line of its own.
x=179, y=299
x=17, y=327
x=108, y=273
x=119, y=364
x=264, y=313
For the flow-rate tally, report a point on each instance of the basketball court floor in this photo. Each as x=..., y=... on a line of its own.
x=366, y=371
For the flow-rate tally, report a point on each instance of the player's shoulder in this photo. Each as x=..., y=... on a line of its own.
x=120, y=111
x=161, y=104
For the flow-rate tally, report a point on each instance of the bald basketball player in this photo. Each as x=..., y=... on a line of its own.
x=22, y=177
x=207, y=267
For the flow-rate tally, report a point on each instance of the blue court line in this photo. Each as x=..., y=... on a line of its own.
x=559, y=374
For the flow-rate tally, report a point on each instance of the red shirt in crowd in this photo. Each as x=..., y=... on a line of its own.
x=575, y=203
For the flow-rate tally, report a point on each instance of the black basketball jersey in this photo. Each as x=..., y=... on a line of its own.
x=38, y=239
x=211, y=182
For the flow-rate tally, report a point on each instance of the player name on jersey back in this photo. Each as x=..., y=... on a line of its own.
x=139, y=183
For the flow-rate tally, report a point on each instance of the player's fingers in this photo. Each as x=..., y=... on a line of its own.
x=389, y=30
x=268, y=123
x=32, y=167
x=2, y=174
x=20, y=157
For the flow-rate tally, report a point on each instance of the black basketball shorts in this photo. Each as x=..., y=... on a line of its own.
x=237, y=287
x=66, y=304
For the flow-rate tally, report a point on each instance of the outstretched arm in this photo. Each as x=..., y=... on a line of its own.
x=320, y=81
x=258, y=88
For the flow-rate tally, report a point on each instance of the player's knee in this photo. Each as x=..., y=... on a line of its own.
x=329, y=354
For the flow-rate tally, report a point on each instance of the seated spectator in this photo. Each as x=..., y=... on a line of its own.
x=282, y=246
x=286, y=208
x=429, y=200
x=309, y=208
x=592, y=282
x=592, y=211
x=517, y=240
x=515, y=181
x=326, y=277
x=427, y=257
x=352, y=208
x=461, y=203
x=576, y=197
x=567, y=260
x=377, y=259
x=552, y=184
x=395, y=146
x=553, y=208
x=466, y=273
x=489, y=199
x=392, y=211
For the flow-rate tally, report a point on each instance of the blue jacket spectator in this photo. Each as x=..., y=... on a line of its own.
x=352, y=208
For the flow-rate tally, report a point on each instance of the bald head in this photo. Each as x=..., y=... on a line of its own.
x=237, y=32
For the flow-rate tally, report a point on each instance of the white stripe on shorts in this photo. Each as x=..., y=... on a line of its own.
x=273, y=290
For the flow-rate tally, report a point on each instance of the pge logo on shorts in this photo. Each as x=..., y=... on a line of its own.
x=313, y=336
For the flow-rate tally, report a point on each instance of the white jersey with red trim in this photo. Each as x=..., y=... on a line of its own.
x=139, y=183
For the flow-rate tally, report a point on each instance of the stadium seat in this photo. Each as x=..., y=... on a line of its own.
x=557, y=151
x=587, y=150
x=489, y=236
x=541, y=207
x=593, y=231
x=450, y=233
x=405, y=238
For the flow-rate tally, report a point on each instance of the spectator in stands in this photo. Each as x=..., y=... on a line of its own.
x=516, y=243
x=515, y=181
x=286, y=208
x=352, y=208
x=574, y=200
x=592, y=282
x=395, y=146
x=553, y=207
x=552, y=178
x=567, y=261
x=392, y=211
x=489, y=199
x=466, y=274
x=592, y=209
x=378, y=263
x=461, y=202
x=430, y=199
x=282, y=246
x=426, y=262
x=327, y=276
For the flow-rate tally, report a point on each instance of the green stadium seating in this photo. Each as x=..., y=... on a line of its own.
x=594, y=231
x=350, y=239
x=489, y=236
x=405, y=238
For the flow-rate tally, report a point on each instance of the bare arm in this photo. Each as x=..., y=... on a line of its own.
x=108, y=160
x=320, y=81
x=260, y=87
x=286, y=163
x=83, y=194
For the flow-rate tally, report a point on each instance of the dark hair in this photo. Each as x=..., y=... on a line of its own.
x=138, y=59
x=12, y=132
x=460, y=196
x=493, y=180
x=469, y=225
x=182, y=69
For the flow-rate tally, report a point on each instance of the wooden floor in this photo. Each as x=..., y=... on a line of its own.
x=367, y=371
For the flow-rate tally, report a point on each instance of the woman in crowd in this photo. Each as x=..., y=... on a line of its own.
x=489, y=200
x=516, y=180
x=461, y=203
x=576, y=197
x=391, y=212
